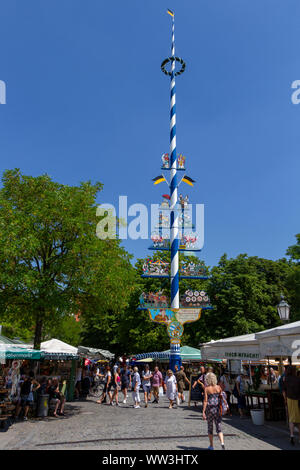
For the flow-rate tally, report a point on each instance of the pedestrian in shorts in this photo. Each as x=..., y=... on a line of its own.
x=136, y=383
x=147, y=376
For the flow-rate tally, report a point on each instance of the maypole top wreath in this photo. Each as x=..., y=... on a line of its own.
x=171, y=59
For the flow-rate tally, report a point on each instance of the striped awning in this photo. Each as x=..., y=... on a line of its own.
x=152, y=355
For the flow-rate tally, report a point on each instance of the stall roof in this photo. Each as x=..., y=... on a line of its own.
x=56, y=349
x=13, y=351
x=15, y=341
x=187, y=354
x=236, y=347
x=283, y=330
x=282, y=341
x=152, y=355
x=242, y=339
x=94, y=353
x=5, y=340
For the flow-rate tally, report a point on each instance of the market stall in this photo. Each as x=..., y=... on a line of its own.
x=249, y=352
x=59, y=360
x=13, y=361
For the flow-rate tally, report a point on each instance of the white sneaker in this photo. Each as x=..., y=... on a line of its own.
x=124, y=401
x=137, y=406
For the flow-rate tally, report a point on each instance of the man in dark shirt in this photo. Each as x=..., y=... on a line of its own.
x=29, y=386
x=125, y=381
x=181, y=379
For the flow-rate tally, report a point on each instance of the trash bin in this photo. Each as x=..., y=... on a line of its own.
x=258, y=416
x=43, y=406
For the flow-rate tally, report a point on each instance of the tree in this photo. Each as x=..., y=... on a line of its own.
x=51, y=262
x=293, y=281
x=244, y=292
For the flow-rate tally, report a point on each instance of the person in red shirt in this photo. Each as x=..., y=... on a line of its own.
x=156, y=383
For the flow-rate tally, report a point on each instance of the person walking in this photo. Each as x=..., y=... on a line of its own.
x=241, y=393
x=181, y=379
x=136, y=383
x=291, y=393
x=201, y=381
x=157, y=380
x=146, y=377
x=29, y=386
x=211, y=409
x=171, y=387
x=107, y=386
x=125, y=381
x=224, y=383
x=116, y=384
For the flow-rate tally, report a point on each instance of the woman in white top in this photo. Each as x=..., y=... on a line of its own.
x=171, y=387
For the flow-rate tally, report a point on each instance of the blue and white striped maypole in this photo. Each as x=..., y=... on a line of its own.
x=175, y=358
x=173, y=185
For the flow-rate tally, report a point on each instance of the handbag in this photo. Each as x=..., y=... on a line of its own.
x=223, y=404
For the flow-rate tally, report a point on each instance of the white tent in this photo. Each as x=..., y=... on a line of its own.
x=56, y=348
x=280, y=341
x=245, y=347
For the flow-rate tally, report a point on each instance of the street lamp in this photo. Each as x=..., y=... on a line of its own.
x=283, y=309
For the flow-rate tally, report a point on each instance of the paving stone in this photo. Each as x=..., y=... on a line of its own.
x=88, y=425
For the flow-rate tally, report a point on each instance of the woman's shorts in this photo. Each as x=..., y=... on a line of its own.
x=147, y=388
x=107, y=387
x=26, y=400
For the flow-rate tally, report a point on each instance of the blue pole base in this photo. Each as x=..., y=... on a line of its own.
x=175, y=357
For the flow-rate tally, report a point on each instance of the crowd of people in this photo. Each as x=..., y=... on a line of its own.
x=215, y=390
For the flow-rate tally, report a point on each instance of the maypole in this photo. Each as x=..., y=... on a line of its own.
x=173, y=184
x=187, y=307
x=175, y=358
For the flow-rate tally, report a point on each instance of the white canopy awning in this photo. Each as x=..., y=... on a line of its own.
x=55, y=346
x=244, y=347
x=283, y=340
x=283, y=330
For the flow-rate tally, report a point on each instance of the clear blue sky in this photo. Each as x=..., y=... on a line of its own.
x=86, y=100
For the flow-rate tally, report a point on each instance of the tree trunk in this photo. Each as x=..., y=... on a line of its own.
x=38, y=333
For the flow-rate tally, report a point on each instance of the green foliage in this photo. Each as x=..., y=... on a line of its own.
x=245, y=292
x=51, y=261
x=293, y=282
x=294, y=250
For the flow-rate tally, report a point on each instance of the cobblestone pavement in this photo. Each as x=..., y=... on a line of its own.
x=88, y=425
